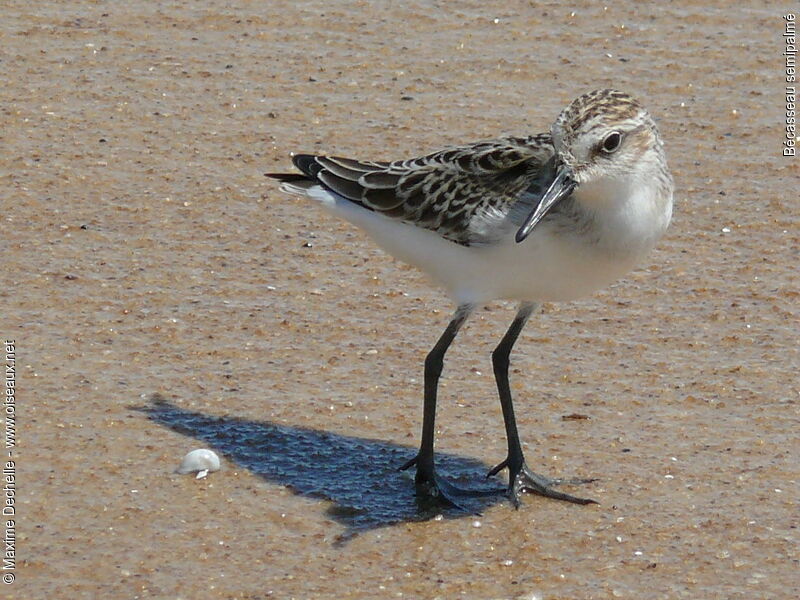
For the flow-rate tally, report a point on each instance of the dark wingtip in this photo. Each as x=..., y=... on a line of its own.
x=286, y=177
x=308, y=164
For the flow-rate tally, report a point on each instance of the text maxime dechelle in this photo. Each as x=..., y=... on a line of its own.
x=9, y=466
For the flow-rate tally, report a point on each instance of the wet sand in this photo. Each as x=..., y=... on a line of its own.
x=164, y=296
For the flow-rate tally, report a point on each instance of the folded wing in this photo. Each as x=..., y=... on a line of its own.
x=470, y=195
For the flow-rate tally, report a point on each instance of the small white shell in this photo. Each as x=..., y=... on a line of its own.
x=201, y=461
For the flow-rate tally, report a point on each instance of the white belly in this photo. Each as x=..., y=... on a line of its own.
x=548, y=266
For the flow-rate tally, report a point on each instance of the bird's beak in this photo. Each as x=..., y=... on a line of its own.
x=561, y=187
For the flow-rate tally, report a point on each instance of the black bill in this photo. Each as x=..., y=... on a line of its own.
x=561, y=187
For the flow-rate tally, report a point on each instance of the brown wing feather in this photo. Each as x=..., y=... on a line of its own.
x=444, y=191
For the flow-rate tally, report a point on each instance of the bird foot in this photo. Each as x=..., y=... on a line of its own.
x=522, y=479
x=431, y=489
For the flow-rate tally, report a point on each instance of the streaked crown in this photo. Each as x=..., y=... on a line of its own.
x=608, y=133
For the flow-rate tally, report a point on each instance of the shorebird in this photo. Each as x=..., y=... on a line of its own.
x=545, y=218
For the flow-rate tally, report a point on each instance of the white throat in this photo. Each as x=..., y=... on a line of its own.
x=631, y=213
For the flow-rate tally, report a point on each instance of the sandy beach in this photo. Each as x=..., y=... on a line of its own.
x=163, y=295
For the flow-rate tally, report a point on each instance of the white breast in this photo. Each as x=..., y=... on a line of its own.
x=547, y=266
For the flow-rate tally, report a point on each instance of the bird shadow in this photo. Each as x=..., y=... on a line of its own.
x=358, y=476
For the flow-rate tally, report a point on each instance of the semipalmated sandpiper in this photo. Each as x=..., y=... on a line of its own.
x=550, y=217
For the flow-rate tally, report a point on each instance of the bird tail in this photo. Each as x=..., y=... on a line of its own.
x=293, y=183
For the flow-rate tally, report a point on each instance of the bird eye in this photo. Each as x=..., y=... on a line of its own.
x=612, y=142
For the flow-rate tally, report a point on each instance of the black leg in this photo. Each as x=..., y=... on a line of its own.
x=521, y=478
x=426, y=481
